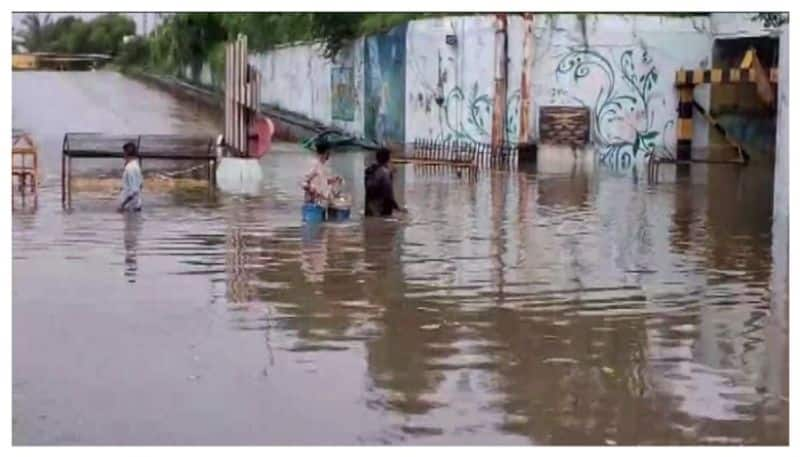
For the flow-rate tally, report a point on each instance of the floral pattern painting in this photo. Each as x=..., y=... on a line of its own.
x=622, y=102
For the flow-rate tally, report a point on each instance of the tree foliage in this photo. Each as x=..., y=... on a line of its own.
x=33, y=35
x=135, y=51
x=188, y=39
x=69, y=34
x=337, y=30
x=267, y=30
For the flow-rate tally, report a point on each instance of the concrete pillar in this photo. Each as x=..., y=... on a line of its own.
x=775, y=368
x=780, y=202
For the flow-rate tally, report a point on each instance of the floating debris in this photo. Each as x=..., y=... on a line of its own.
x=431, y=310
x=560, y=360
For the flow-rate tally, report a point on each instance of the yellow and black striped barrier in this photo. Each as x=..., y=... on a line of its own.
x=720, y=76
x=750, y=71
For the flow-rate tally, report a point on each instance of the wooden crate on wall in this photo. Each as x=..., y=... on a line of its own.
x=564, y=125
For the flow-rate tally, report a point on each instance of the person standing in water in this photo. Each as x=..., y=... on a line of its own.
x=379, y=187
x=318, y=181
x=132, y=181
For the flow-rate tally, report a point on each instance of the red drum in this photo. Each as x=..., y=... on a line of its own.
x=261, y=131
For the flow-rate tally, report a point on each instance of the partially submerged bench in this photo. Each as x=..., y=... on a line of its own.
x=150, y=147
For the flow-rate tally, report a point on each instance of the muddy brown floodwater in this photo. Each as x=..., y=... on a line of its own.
x=561, y=304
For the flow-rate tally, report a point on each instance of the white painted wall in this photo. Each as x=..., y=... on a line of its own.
x=460, y=76
x=287, y=78
x=298, y=79
x=600, y=64
x=774, y=376
x=450, y=89
x=463, y=76
x=780, y=204
x=736, y=25
x=354, y=57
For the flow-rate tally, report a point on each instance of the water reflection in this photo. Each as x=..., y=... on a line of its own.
x=314, y=253
x=557, y=304
x=132, y=231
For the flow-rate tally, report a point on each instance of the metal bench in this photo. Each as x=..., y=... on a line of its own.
x=150, y=147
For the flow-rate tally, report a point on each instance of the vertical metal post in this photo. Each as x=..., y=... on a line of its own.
x=64, y=146
x=525, y=115
x=63, y=178
x=500, y=83
x=242, y=86
x=236, y=98
x=235, y=94
x=228, y=130
x=69, y=181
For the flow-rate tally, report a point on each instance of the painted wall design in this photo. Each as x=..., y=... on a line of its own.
x=450, y=87
x=343, y=94
x=475, y=122
x=623, y=122
x=622, y=69
x=385, y=86
x=412, y=82
x=468, y=116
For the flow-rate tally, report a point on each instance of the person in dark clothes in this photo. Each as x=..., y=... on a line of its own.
x=379, y=188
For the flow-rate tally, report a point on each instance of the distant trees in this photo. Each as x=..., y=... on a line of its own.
x=33, y=36
x=70, y=34
x=184, y=39
x=188, y=39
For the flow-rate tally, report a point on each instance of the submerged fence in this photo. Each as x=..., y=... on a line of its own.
x=469, y=153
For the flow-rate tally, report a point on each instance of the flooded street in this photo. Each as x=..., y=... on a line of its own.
x=560, y=304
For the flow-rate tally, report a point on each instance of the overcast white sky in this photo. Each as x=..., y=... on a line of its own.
x=141, y=19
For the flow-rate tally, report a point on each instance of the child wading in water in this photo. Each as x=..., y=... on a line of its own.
x=379, y=187
x=318, y=181
x=131, y=195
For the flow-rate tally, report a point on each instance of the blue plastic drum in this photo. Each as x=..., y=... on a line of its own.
x=338, y=214
x=313, y=213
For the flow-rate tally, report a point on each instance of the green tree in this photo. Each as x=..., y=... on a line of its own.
x=56, y=36
x=266, y=30
x=34, y=34
x=103, y=34
x=136, y=51
x=336, y=30
x=107, y=33
x=186, y=39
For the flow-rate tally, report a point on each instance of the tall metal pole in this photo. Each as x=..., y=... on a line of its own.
x=526, y=116
x=500, y=84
